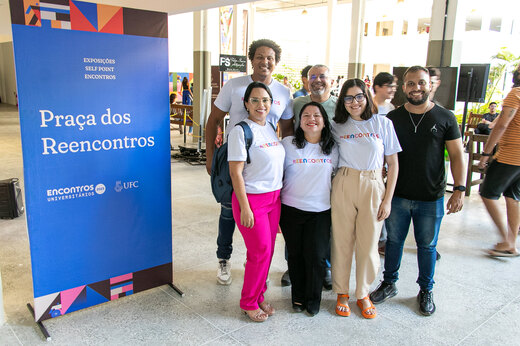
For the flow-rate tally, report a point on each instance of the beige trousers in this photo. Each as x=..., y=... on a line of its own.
x=355, y=200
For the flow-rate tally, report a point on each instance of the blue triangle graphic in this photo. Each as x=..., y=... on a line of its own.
x=89, y=10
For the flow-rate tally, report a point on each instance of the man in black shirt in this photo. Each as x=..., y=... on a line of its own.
x=424, y=129
x=486, y=124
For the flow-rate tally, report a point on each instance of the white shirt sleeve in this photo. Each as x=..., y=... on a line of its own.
x=237, y=145
x=391, y=142
x=288, y=111
x=224, y=99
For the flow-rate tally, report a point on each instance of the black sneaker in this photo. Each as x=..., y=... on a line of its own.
x=438, y=256
x=327, y=281
x=383, y=292
x=286, y=279
x=426, y=304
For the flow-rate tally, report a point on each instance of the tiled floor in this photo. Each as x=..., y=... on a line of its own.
x=478, y=298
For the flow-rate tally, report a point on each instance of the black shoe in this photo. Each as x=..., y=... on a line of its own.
x=438, y=256
x=313, y=308
x=298, y=307
x=426, y=304
x=327, y=281
x=383, y=292
x=286, y=279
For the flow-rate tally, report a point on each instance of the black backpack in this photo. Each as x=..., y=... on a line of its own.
x=221, y=185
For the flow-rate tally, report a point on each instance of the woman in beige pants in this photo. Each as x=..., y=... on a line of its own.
x=359, y=201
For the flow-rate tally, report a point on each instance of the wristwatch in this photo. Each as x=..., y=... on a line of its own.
x=459, y=188
x=486, y=154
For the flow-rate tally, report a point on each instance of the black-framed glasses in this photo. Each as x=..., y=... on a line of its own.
x=390, y=86
x=359, y=98
x=264, y=100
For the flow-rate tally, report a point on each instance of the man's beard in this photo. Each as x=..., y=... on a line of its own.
x=318, y=92
x=516, y=78
x=420, y=101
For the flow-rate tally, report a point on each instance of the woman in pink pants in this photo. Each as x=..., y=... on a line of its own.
x=256, y=196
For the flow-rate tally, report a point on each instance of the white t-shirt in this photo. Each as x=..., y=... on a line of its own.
x=385, y=108
x=265, y=172
x=363, y=144
x=231, y=99
x=307, y=176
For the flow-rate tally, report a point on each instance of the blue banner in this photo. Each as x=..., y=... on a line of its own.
x=94, y=116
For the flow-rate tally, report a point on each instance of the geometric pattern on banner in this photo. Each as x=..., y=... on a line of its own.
x=60, y=303
x=55, y=14
x=110, y=19
x=82, y=19
x=44, y=304
x=121, y=286
x=32, y=12
x=102, y=288
x=85, y=16
x=68, y=297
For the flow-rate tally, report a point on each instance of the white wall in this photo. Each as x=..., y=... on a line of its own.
x=180, y=40
x=7, y=74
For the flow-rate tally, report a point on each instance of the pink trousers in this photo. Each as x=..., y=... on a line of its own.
x=259, y=242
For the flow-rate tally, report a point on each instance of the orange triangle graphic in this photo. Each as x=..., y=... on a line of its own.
x=115, y=24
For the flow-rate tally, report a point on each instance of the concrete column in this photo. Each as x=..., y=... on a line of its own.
x=2, y=313
x=201, y=66
x=355, y=66
x=452, y=31
x=331, y=7
x=235, y=30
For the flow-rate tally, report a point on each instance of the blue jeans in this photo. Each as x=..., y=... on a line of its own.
x=426, y=217
x=226, y=228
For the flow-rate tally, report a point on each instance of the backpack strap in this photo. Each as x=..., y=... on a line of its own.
x=248, y=137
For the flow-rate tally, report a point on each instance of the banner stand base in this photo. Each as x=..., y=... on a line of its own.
x=44, y=331
x=176, y=289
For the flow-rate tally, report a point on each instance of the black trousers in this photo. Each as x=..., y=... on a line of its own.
x=307, y=236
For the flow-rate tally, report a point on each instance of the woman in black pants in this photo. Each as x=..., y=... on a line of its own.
x=310, y=160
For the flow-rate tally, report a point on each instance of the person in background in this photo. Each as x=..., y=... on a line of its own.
x=487, y=122
x=304, y=91
x=264, y=55
x=435, y=80
x=503, y=174
x=187, y=96
x=384, y=90
x=310, y=160
x=360, y=201
x=424, y=129
x=256, y=196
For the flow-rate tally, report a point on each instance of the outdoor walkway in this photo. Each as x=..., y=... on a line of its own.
x=477, y=297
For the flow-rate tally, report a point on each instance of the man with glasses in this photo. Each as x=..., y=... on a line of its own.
x=384, y=91
x=424, y=129
x=264, y=55
x=319, y=85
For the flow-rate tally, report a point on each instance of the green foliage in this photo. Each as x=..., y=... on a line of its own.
x=293, y=75
x=502, y=63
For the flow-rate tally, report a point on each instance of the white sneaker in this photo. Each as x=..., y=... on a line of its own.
x=224, y=272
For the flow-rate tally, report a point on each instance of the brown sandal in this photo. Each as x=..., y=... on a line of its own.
x=267, y=308
x=257, y=315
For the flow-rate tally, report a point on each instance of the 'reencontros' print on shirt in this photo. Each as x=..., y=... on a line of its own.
x=265, y=172
x=312, y=166
x=363, y=144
